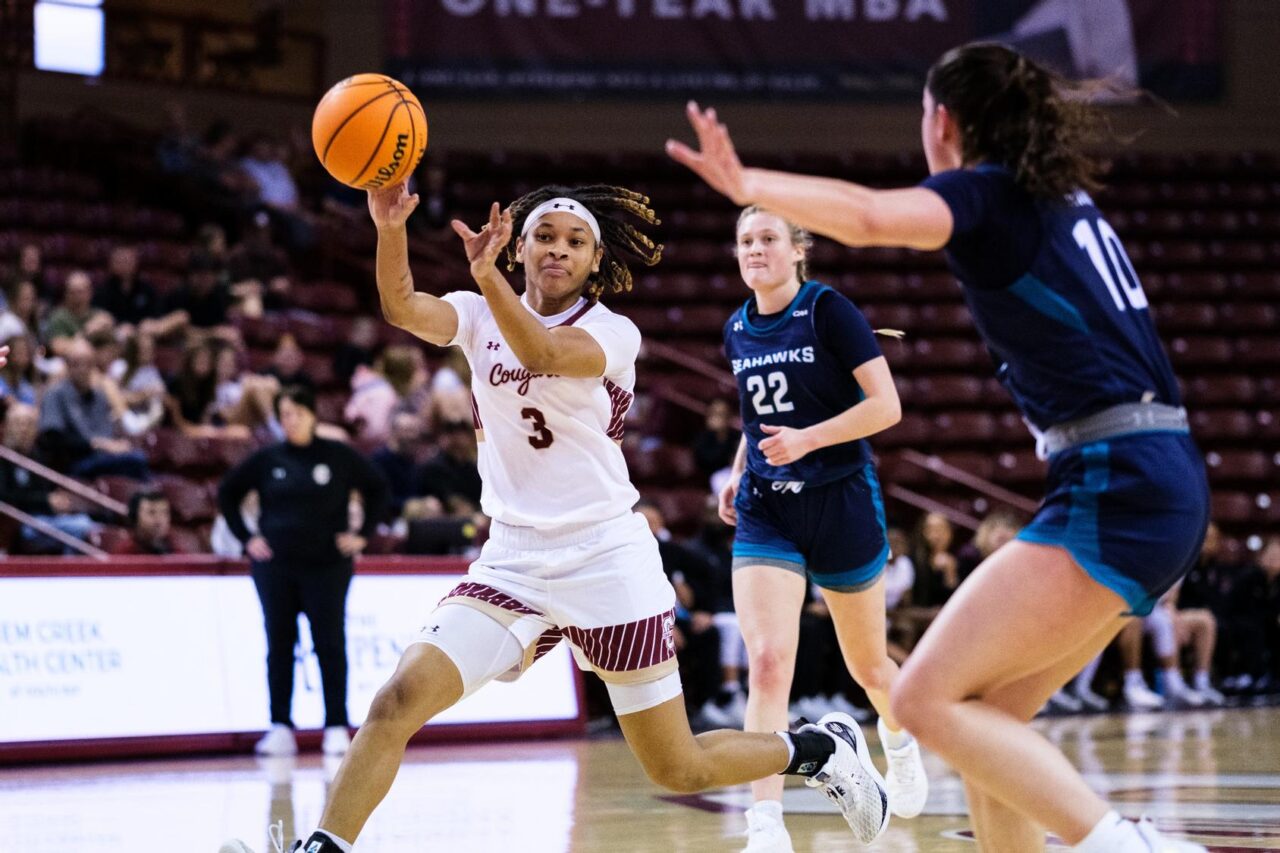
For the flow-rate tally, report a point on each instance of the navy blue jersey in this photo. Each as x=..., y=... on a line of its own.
x=794, y=369
x=1054, y=296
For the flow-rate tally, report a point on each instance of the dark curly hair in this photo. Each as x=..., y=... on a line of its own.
x=1016, y=113
x=621, y=240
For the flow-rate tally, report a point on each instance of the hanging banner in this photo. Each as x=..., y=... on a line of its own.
x=766, y=49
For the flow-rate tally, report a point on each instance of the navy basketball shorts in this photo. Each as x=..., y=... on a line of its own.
x=1132, y=511
x=833, y=533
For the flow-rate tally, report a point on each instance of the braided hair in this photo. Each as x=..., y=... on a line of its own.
x=620, y=239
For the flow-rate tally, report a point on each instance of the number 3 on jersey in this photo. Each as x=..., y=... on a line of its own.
x=758, y=387
x=1092, y=237
x=542, y=437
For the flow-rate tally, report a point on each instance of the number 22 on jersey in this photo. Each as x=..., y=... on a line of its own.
x=759, y=386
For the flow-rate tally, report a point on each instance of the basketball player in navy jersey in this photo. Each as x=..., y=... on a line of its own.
x=804, y=496
x=1059, y=305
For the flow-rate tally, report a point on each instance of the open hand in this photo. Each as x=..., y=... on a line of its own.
x=717, y=162
x=784, y=444
x=391, y=206
x=484, y=246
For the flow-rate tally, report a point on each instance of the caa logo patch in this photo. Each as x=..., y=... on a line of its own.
x=321, y=474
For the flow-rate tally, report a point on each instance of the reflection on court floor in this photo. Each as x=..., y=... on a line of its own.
x=1213, y=776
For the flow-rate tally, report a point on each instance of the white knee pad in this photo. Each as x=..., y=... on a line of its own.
x=632, y=698
x=480, y=647
x=1164, y=638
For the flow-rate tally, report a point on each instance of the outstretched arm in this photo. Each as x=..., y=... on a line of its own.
x=855, y=215
x=426, y=316
x=562, y=350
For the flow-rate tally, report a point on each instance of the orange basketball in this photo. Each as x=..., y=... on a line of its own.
x=369, y=131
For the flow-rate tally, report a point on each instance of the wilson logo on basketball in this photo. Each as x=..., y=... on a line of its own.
x=384, y=173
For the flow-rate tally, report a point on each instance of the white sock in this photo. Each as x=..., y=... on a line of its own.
x=1173, y=682
x=791, y=747
x=1133, y=678
x=1112, y=834
x=1084, y=681
x=773, y=808
x=1202, y=680
x=895, y=740
x=344, y=846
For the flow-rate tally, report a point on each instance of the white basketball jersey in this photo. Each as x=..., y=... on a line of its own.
x=548, y=445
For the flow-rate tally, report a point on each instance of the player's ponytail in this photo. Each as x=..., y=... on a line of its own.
x=1016, y=113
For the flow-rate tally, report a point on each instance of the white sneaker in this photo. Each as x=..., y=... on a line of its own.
x=736, y=710
x=1183, y=696
x=766, y=833
x=1091, y=700
x=336, y=740
x=1140, y=697
x=1211, y=697
x=1159, y=844
x=716, y=716
x=279, y=740
x=850, y=780
x=905, y=780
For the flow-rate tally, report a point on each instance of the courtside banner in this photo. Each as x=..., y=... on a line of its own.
x=761, y=49
x=120, y=657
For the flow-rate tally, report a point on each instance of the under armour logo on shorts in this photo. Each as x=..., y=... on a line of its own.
x=493, y=345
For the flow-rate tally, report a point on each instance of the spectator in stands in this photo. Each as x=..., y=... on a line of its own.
x=302, y=558
x=131, y=300
x=1208, y=584
x=192, y=390
x=136, y=372
x=149, y=526
x=451, y=388
x=21, y=315
x=75, y=315
x=29, y=266
x=33, y=494
x=398, y=458
x=259, y=269
x=715, y=446
x=1167, y=641
x=204, y=301
x=357, y=349
x=288, y=363
x=275, y=185
x=451, y=475
x=18, y=379
x=709, y=640
x=995, y=530
x=899, y=578
x=377, y=394
x=77, y=427
x=1254, y=616
x=937, y=570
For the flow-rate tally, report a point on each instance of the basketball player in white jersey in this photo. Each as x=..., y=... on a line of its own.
x=553, y=372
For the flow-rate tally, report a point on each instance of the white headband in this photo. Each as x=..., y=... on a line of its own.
x=561, y=205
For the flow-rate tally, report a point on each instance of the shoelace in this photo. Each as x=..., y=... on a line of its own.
x=904, y=769
x=276, y=833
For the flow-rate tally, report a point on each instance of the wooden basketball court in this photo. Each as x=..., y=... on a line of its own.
x=1213, y=776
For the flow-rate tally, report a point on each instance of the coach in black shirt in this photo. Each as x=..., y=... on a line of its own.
x=302, y=560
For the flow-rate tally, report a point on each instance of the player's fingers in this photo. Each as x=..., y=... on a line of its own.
x=770, y=429
x=460, y=228
x=684, y=155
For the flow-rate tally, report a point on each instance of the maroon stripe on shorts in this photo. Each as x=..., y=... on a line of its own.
x=619, y=403
x=625, y=648
x=546, y=642
x=489, y=595
x=475, y=413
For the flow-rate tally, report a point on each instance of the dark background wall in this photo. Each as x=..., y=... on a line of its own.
x=1246, y=119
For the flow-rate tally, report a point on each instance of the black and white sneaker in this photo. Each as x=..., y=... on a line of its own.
x=275, y=832
x=850, y=780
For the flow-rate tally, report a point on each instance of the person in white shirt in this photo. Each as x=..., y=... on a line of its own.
x=553, y=373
